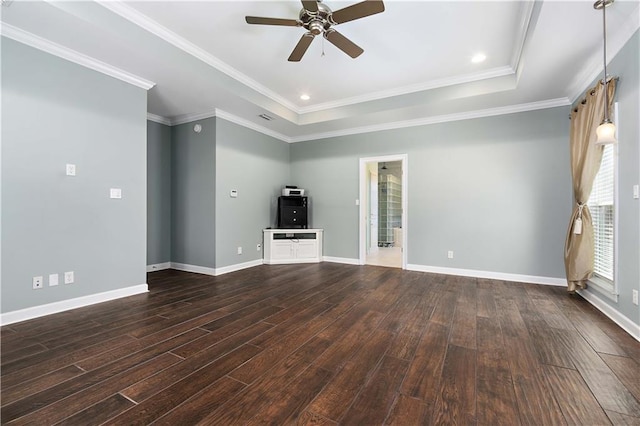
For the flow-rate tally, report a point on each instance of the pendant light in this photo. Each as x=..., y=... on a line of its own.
x=606, y=131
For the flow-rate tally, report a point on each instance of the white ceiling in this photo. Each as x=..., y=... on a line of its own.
x=203, y=59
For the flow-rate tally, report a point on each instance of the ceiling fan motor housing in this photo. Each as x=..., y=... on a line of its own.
x=316, y=22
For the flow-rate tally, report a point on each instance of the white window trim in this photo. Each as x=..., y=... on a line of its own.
x=608, y=288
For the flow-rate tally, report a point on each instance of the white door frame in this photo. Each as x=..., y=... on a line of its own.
x=372, y=182
x=362, y=218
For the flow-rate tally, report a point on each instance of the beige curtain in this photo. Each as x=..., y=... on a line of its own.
x=585, y=163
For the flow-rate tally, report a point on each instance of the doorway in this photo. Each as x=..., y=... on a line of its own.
x=383, y=218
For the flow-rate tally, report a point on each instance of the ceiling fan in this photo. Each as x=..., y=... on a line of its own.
x=317, y=18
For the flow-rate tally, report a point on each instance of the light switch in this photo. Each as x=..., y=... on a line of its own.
x=53, y=280
x=636, y=191
x=233, y=193
x=115, y=193
x=71, y=169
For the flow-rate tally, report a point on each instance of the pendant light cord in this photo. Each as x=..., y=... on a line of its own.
x=604, y=37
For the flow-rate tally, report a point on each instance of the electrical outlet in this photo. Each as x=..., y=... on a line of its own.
x=258, y=247
x=450, y=254
x=71, y=169
x=635, y=296
x=68, y=277
x=53, y=280
x=37, y=282
x=239, y=250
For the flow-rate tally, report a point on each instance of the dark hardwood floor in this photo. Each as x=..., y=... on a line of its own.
x=323, y=344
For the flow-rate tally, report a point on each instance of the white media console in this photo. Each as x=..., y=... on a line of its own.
x=292, y=246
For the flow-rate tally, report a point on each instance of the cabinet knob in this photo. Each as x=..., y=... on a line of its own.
x=294, y=219
x=295, y=211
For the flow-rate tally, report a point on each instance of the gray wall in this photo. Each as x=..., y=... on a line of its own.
x=626, y=66
x=495, y=190
x=193, y=194
x=257, y=166
x=55, y=112
x=158, y=193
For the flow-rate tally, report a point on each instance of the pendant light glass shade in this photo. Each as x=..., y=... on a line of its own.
x=606, y=133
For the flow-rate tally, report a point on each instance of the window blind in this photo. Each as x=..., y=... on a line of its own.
x=601, y=205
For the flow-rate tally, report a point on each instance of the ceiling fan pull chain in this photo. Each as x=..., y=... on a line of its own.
x=322, y=55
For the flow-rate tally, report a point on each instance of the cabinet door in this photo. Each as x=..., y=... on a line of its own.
x=307, y=249
x=282, y=250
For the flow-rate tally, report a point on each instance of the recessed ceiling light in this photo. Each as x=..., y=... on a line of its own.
x=305, y=97
x=478, y=57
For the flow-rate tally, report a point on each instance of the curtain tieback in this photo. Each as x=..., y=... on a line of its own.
x=577, y=225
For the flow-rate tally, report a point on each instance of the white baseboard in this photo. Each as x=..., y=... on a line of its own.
x=65, y=305
x=345, y=260
x=215, y=271
x=625, y=323
x=193, y=268
x=238, y=266
x=158, y=266
x=490, y=275
x=291, y=261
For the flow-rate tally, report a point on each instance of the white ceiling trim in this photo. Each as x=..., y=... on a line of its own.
x=434, y=84
x=594, y=67
x=188, y=118
x=158, y=119
x=251, y=125
x=552, y=103
x=120, y=8
x=511, y=109
x=522, y=34
x=60, y=51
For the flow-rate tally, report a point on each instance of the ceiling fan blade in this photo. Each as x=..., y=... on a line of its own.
x=357, y=11
x=310, y=6
x=301, y=47
x=343, y=43
x=271, y=21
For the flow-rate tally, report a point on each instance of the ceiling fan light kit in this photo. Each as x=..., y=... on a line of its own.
x=318, y=19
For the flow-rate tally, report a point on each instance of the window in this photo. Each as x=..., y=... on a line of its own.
x=602, y=207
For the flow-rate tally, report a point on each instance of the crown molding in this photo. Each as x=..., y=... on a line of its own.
x=24, y=37
x=593, y=67
x=251, y=125
x=158, y=119
x=506, y=70
x=444, y=82
x=523, y=33
x=430, y=85
x=120, y=8
x=129, y=13
x=490, y=112
x=188, y=118
x=511, y=109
